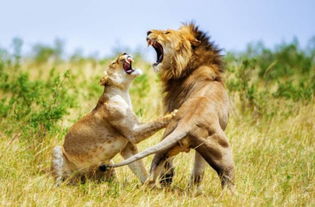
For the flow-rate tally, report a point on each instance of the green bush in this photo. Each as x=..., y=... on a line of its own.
x=34, y=103
x=296, y=92
x=261, y=74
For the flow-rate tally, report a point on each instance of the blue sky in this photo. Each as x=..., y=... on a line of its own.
x=99, y=25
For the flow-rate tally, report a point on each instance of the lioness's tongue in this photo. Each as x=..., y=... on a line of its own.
x=127, y=68
x=129, y=71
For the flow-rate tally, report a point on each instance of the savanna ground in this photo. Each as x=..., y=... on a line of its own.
x=271, y=129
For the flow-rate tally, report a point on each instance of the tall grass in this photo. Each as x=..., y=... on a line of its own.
x=271, y=129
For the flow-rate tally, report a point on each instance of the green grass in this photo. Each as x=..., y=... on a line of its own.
x=271, y=130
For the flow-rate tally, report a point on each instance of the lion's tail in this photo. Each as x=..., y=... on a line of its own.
x=165, y=144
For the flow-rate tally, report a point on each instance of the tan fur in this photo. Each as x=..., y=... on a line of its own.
x=110, y=128
x=191, y=73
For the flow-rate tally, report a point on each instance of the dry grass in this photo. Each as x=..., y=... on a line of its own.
x=275, y=162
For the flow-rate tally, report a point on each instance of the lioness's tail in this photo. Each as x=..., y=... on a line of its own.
x=57, y=164
x=166, y=143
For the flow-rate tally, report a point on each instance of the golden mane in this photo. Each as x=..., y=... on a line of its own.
x=203, y=63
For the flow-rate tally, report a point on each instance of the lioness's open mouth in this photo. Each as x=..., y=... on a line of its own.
x=127, y=65
x=158, y=49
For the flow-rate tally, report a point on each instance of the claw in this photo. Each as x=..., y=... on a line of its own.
x=174, y=112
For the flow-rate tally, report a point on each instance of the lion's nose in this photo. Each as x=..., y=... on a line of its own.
x=149, y=32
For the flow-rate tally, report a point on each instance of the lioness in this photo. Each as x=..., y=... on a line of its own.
x=191, y=70
x=110, y=128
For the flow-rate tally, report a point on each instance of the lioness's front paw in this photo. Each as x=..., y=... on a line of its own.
x=174, y=113
x=103, y=80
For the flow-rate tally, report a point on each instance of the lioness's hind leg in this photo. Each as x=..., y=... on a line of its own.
x=60, y=169
x=104, y=174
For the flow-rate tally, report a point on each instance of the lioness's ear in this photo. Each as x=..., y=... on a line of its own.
x=104, y=79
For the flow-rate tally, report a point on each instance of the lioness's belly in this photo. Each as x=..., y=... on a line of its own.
x=96, y=154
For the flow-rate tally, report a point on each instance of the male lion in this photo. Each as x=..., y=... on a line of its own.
x=111, y=127
x=191, y=71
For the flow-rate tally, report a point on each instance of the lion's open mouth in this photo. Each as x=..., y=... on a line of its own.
x=127, y=65
x=158, y=49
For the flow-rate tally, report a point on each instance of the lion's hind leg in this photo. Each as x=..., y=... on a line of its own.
x=197, y=172
x=167, y=175
x=218, y=154
x=162, y=169
x=157, y=169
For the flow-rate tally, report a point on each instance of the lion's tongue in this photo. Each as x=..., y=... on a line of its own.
x=159, y=52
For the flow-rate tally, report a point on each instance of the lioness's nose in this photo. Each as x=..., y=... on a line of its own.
x=149, y=32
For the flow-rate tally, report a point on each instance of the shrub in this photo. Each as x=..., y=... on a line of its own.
x=34, y=103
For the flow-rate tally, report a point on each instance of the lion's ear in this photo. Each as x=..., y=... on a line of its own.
x=195, y=42
x=104, y=79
